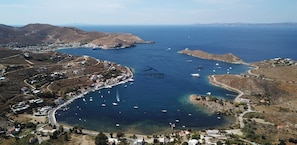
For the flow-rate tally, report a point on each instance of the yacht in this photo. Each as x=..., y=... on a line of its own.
x=195, y=75
x=103, y=105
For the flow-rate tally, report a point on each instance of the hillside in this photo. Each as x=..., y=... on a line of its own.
x=271, y=88
x=45, y=35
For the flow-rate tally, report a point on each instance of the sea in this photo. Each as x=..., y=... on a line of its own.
x=157, y=101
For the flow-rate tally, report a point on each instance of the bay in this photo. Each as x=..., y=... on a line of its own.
x=153, y=93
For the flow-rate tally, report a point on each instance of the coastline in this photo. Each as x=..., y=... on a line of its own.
x=212, y=108
x=213, y=81
x=51, y=115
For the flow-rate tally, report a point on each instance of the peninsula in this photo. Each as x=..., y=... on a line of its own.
x=264, y=107
x=229, y=57
x=47, y=37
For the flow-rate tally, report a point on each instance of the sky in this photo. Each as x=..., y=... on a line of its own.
x=146, y=12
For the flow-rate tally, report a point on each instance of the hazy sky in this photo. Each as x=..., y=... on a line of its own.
x=146, y=12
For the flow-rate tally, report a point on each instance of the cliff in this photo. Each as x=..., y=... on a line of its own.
x=45, y=34
x=229, y=57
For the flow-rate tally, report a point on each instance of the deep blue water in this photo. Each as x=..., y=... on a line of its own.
x=171, y=92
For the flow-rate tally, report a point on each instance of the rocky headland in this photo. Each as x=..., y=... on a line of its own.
x=229, y=57
x=45, y=37
x=267, y=93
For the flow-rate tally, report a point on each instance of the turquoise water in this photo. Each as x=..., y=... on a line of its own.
x=153, y=94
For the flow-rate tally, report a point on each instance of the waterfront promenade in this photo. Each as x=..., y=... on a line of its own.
x=51, y=115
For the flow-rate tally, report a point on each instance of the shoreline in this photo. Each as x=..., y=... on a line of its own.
x=51, y=115
x=238, y=99
x=214, y=82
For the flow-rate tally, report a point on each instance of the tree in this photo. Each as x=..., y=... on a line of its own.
x=67, y=137
x=219, y=143
x=282, y=142
x=30, y=125
x=61, y=128
x=196, y=135
x=101, y=139
x=55, y=135
x=120, y=134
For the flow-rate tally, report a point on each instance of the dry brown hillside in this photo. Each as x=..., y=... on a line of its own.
x=44, y=34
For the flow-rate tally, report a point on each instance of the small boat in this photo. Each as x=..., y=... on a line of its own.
x=195, y=75
x=84, y=99
x=219, y=117
x=164, y=110
x=103, y=105
x=168, y=49
x=118, y=96
x=189, y=60
x=217, y=64
x=117, y=125
x=208, y=93
x=91, y=99
x=177, y=120
x=108, y=92
x=115, y=104
x=135, y=107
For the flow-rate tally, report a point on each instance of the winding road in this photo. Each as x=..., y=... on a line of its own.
x=237, y=99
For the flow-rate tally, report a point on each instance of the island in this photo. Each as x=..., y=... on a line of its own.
x=47, y=37
x=229, y=57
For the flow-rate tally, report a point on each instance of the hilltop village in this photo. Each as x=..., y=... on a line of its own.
x=35, y=82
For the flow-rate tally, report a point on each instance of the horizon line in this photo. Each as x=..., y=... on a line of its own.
x=215, y=23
